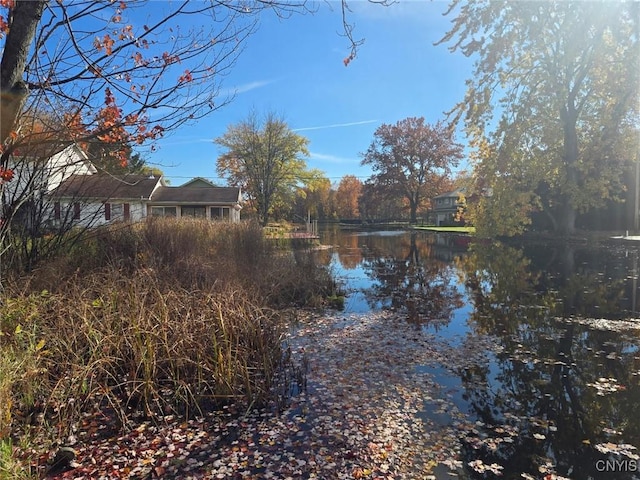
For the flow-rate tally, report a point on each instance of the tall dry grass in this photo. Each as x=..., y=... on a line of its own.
x=153, y=318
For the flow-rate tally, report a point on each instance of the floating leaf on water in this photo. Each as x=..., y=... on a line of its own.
x=623, y=449
x=604, y=386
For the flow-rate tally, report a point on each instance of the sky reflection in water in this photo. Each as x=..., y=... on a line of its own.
x=557, y=369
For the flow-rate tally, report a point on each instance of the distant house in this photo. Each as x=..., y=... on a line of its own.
x=92, y=200
x=197, y=198
x=447, y=205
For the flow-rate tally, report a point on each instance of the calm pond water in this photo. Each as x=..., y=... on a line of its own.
x=551, y=330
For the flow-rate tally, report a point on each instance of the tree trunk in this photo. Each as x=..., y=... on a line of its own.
x=567, y=216
x=263, y=213
x=413, y=206
x=25, y=16
x=566, y=224
x=552, y=219
x=414, y=253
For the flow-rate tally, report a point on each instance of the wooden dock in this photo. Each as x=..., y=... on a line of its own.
x=300, y=235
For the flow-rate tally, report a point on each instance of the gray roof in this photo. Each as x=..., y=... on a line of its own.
x=453, y=194
x=101, y=186
x=198, y=182
x=143, y=187
x=196, y=194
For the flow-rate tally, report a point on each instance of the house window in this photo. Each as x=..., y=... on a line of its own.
x=193, y=211
x=163, y=211
x=76, y=211
x=56, y=211
x=116, y=211
x=219, y=213
x=127, y=211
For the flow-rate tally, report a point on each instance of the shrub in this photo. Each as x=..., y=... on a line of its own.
x=157, y=317
x=152, y=349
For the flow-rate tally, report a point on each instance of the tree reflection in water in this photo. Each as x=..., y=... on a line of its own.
x=565, y=388
x=409, y=279
x=549, y=361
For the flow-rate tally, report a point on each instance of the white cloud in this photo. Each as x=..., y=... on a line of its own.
x=243, y=88
x=252, y=85
x=335, y=125
x=183, y=141
x=331, y=158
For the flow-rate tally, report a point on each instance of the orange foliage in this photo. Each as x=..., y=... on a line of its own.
x=112, y=128
x=185, y=77
x=106, y=44
x=126, y=33
x=137, y=58
x=169, y=59
x=6, y=175
x=347, y=196
x=4, y=26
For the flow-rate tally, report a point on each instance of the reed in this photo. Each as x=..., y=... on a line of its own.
x=149, y=319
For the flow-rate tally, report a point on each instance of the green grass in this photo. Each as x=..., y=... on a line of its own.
x=433, y=228
x=12, y=468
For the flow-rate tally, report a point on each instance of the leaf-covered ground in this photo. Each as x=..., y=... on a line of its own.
x=371, y=410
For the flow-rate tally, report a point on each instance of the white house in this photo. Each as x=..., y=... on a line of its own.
x=447, y=205
x=44, y=170
x=197, y=198
x=99, y=199
x=37, y=172
x=57, y=185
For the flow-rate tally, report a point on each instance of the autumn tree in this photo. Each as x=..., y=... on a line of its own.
x=347, y=196
x=108, y=72
x=411, y=158
x=552, y=106
x=306, y=200
x=117, y=72
x=141, y=50
x=102, y=72
x=312, y=198
x=376, y=203
x=122, y=72
x=119, y=159
x=370, y=202
x=264, y=158
x=113, y=64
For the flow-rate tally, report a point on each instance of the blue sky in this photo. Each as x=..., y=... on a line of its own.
x=294, y=67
